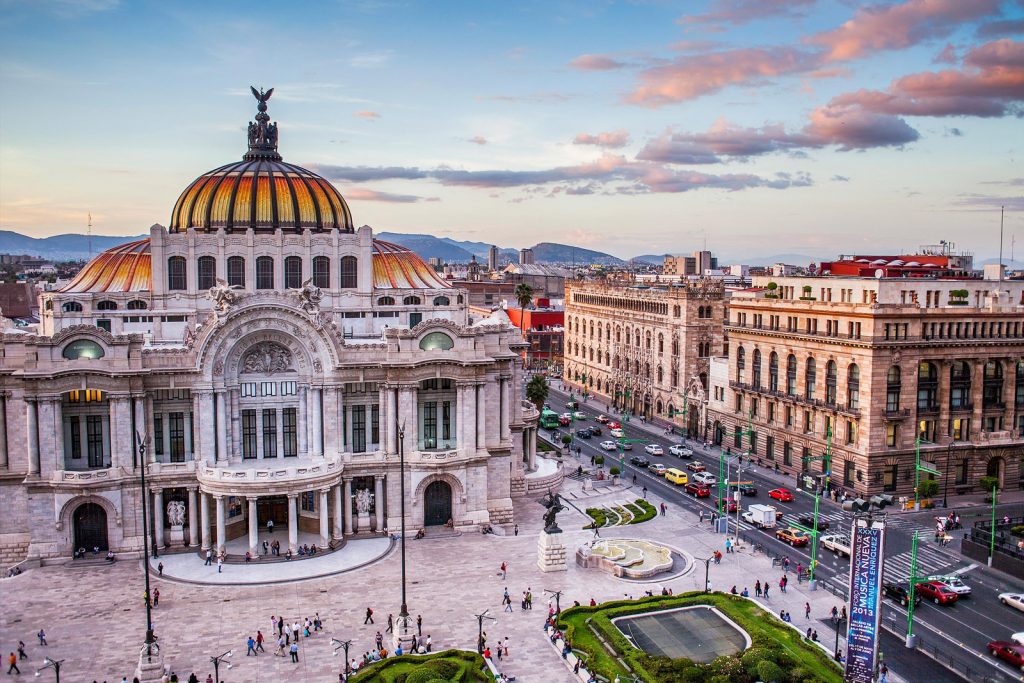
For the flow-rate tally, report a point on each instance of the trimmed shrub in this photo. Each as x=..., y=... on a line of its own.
x=424, y=675
x=770, y=672
x=444, y=668
x=613, y=471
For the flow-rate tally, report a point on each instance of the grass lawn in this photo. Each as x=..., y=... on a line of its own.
x=778, y=652
x=449, y=665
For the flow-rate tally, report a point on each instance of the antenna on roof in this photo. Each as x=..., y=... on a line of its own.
x=1001, y=213
x=88, y=231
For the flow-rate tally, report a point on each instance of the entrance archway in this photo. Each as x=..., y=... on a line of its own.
x=90, y=524
x=437, y=503
x=996, y=468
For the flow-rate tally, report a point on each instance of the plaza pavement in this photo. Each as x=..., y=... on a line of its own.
x=94, y=616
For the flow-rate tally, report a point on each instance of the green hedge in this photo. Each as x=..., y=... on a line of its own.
x=649, y=511
x=449, y=665
x=599, y=517
x=777, y=653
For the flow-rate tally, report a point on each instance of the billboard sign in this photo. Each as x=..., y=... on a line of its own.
x=862, y=632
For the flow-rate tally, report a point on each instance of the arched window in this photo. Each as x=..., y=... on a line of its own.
x=893, y=386
x=206, y=272
x=658, y=405
x=459, y=299
x=638, y=339
x=106, y=305
x=292, y=272
x=810, y=378
x=927, y=386
x=853, y=387
x=137, y=305
x=830, y=382
x=442, y=301
x=741, y=364
x=236, y=271
x=755, y=370
x=264, y=272
x=647, y=370
x=960, y=385
x=176, y=273
x=436, y=341
x=661, y=376
x=85, y=349
x=71, y=307
x=349, y=272
x=322, y=272
x=412, y=301
x=992, y=388
x=773, y=371
x=791, y=375
x=386, y=301
x=647, y=339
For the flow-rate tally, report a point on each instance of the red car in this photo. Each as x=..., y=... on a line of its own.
x=564, y=421
x=603, y=419
x=1008, y=652
x=728, y=501
x=614, y=425
x=937, y=592
x=781, y=495
x=698, y=490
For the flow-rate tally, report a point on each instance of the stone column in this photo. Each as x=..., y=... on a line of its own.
x=481, y=416
x=532, y=445
x=303, y=426
x=293, y=522
x=254, y=529
x=503, y=408
x=346, y=506
x=385, y=420
x=204, y=521
x=332, y=429
x=339, y=510
x=378, y=501
x=158, y=518
x=58, y=431
x=325, y=535
x=193, y=518
x=221, y=526
x=393, y=416
x=318, y=422
x=222, y=430
x=139, y=424
x=3, y=432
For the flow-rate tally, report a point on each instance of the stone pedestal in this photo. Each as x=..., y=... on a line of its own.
x=363, y=523
x=177, y=535
x=402, y=634
x=151, y=666
x=550, y=552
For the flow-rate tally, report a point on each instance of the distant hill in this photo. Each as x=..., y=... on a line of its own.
x=550, y=252
x=653, y=259
x=429, y=246
x=455, y=251
x=60, y=247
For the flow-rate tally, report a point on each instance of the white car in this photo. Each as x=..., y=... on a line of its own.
x=1013, y=600
x=654, y=449
x=609, y=445
x=681, y=451
x=1018, y=638
x=704, y=478
x=579, y=415
x=617, y=433
x=837, y=543
x=956, y=584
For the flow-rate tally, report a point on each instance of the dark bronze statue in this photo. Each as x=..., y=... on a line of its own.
x=262, y=133
x=553, y=503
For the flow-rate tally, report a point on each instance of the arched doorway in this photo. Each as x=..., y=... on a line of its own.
x=718, y=433
x=437, y=504
x=996, y=469
x=90, y=525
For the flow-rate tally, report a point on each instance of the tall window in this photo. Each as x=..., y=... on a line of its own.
x=889, y=477
x=176, y=434
x=236, y=271
x=289, y=433
x=791, y=375
x=249, y=434
x=158, y=435
x=292, y=272
x=358, y=429
x=959, y=385
x=349, y=272
x=430, y=425
x=94, y=440
x=848, y=472
x=206, y=272
x=810, y=378
x=1019, y=388
x=992, y=389
x=176, y=273
x=76, y=438
x=269, y=433
x=893, y=385
x=773, y=372
x=375, y=423
x=853, y=387
x=741, y=362
x=755, y=370
x=927, y=386
x=830, y=382
x=264, y=272
x=322, y=272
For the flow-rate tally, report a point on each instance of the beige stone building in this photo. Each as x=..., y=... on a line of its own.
x=644, y=347
x=876, y=364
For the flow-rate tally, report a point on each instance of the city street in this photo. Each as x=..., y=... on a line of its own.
x=959, y=632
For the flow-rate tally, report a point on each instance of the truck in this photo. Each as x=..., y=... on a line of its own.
x=761, y=516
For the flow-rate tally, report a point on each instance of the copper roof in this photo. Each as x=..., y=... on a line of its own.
x=125, y=268
x=395, y=267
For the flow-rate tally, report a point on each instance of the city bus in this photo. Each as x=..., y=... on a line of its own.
x=548, y=419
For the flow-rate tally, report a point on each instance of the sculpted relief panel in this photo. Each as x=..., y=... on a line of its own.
x=267, y=358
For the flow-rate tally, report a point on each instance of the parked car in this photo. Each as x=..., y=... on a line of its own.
x=746, y=488
x=603, y=419
x=808, y=521
x=937, y=592
x=728, y=505
x=1018, y=638
x=579, y=415
x=583, y=433
x=680, y=451
x=1011, y=653
x=781, y=495
x=654, y=449
x=1013, y=600
x=705, y=478
x=639, y=461
x=698, y=490
x=794, y=537
x=617, y=433
x=955, y=584
x=657, y=468
x=595, y=430
x=695, y=467
x=899, y=592
x=609, y=445
x=837, y=543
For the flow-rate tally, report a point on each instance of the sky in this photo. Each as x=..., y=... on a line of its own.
x=751, y=127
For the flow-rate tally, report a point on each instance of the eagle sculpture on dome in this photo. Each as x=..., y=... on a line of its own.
x=261, y=96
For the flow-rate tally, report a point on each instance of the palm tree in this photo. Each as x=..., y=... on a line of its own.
x=537, y=391
x=524, y=295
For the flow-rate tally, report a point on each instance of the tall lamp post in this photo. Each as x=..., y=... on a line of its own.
x=480, y=630
x=216, y=661
x=403, y=614
x=707, y=572
x=150, y=637
x=51, y=664
x=339, y=644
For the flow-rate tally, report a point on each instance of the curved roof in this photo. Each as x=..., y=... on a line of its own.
x=395, y=267
x=125, y=268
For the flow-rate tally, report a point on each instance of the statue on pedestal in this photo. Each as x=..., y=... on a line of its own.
x=553, y=503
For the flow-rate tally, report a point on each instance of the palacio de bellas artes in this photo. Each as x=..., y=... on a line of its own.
x=270, y=364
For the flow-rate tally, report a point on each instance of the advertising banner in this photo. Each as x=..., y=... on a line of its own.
x=862, y=631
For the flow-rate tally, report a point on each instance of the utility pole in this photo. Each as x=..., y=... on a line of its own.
x=480, y=630
x=339, y=644
x=826, y=459
x=558, y=596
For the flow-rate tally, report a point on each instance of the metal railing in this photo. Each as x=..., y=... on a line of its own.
x=976, y=672
x=981, y=533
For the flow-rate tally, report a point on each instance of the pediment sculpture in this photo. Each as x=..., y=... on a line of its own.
x=267, y=358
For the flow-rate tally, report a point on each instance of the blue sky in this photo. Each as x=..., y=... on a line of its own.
x=758, y=126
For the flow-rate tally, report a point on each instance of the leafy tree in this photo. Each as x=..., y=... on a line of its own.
x=928, y=488
x=537, y=391
x=524, y=295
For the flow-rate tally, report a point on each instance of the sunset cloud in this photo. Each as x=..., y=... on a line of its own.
x=367, y=195
x=611, y=139
x=738, y=12
x=369, y=115
x=478, y=140
x=596, y=63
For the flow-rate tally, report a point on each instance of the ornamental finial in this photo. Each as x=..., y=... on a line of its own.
x=262, y=133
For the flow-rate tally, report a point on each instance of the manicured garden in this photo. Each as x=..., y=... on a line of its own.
x=777, y=653
x=618, y=515
x=449, y=665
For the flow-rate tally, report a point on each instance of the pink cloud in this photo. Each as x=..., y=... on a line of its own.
x=596, y=63
x=478, y=140
x=371, y=115
x=737, y=12
x=611, y=139
x=368, y=195
x=893, y=27
x=691, y=76
x=853, y=128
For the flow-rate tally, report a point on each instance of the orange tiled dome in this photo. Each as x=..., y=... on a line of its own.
x=125, y=268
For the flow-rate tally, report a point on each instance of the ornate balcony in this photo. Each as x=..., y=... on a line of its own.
x=270, y=476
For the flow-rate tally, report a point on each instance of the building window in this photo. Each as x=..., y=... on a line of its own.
x=960, y=386
x=104, y=324
x=992, y=389
x=961, y=473
x=292, y=272
x=94, y=440
x=810, y=378
x=769, y=447
x=891, y=435
x=927, y=386
x=264, y=272
x=76, y=438
x=430, y=425
x=358, y=429
x=289, y=433
x=755, y=370
x=106, y=305
x=349, y=272
x=889, y=477
x=773, y=372
x=791, y=375
x=1019, y=388
x=741, y=362
x=957, y=428
x=851, y=432
x=787, y=453
x=375, y=424
x=308, y=499
x=442, y=301
x=249, y=434
x=269, y=433
x=321, y=272
x=137, y=305
x=176, y=436
x=737, y=438
x=926, y=430
x=853, y=387
x=830, y=383
x=206, y=272
x=72, y=307
x=236, y=271
x=176, y=273
x=892, y=389
x=848, y=472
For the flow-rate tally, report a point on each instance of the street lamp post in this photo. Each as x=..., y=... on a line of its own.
x=403, y=614
x=558, y=596
x=216, y=661
x=480, y=630
x=707, y=571
x=54, y=664
x=150, y=637
x=339, y=644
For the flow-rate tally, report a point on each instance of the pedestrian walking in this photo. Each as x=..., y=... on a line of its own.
x=700, y=517
x=209, y=557
x=782, y=584
x=663, y=509
x=506, y=646
x=295, y=652
x=369, y=616
x=515, y=531
x=757, y=589
x=156, y=597
x=250, y=646
x=766, y=587
x=504, y=570
x=160, y=568
x=644, y=490
x=529, y=598
x=13, y=661
x=259, y=641
x=42, y=637
x=835, y=615
x=270, y=526
x=807, y=610
x=21, y=650
x=728, y=546
x=391, y=623
x=280, y=625
x=280, y=647
x=419, y=624
x=507, y=601
x=220, y=564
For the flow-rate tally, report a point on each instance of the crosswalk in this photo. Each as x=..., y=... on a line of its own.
x=929, y=561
